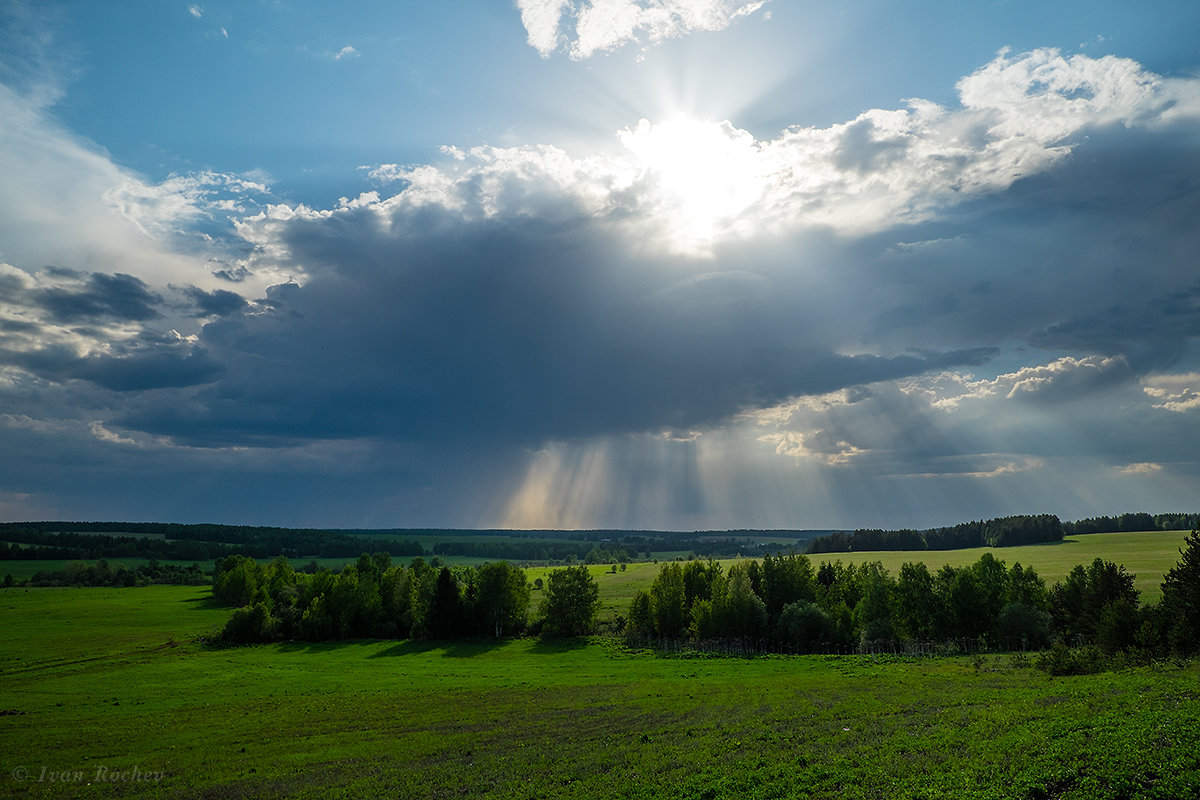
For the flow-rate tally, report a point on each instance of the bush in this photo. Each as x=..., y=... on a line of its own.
x=1063, y=660
x=805, y=625
x=878, y=633
x=250, y=624
x=1117, y=627
x=1022, y=623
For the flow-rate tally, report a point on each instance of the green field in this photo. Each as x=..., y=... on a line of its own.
x=1148, y=556
x=108, y=692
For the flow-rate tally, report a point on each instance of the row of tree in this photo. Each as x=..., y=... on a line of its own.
x=374, y=598
x=782, y=599
x=202, y=542
x=1128, y=523
x=183, y=542
x=999, y=532
x=101, y=573
x=535, y=550
x=840, y=606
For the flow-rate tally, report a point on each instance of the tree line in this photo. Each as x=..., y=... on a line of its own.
x=199, y=542
x=836, y=607
x=374, y=598
x=203, y=542
x=1000, y=532
x=782, y=599
x=101, y=573
x=543, y=550
x=1129, y=523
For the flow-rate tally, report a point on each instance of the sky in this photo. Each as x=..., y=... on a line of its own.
x=657, y=264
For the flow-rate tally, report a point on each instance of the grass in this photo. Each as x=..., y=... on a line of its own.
x=616, y=588
x=98, y=679
x=1147, y=555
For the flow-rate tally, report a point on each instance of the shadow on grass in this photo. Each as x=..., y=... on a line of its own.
x=399, y=647
x=563, y=645
x=475, y=647
x=449, y=649
x=206, y=603
x=328, y=646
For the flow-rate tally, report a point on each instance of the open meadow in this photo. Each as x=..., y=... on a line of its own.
x=1146, y=555
x=108, y=693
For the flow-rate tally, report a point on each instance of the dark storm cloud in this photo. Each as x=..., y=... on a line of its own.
x=1093, y=257
x=117, y=297
x=516, y=332
x=218, y=302
x=1152, y=332
x=155, y=368
x=418, y=324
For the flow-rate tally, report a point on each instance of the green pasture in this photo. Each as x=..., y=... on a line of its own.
x=616, y=588
x=1147, y=555
x=106, y=693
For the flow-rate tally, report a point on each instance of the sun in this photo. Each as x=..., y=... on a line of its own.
x=705, y=177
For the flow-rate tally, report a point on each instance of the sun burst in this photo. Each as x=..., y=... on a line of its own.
x=705, y=177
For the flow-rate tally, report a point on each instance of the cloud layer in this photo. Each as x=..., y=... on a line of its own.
x=973, y=294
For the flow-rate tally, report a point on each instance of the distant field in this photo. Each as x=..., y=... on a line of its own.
x=97, y=683
x=1147, y=555
x=616, y=589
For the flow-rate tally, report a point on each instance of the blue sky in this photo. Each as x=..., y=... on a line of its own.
x=686, y=264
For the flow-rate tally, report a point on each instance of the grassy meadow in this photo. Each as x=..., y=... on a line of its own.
x=107, y=693
x=1148, y=556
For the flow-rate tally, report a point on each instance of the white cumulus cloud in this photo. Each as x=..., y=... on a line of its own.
x=585, y=29
x=1173, y=392
x=703, y=181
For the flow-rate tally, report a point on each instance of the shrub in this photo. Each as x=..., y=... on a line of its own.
x=806, y=626
x=1063, y=660
x=1025, y=624
x=250, y=624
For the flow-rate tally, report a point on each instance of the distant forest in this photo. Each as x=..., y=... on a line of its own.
x=207, y=542
x=999, y=532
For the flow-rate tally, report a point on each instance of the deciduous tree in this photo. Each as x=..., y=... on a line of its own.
x=503, y=597
x=571, y=601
